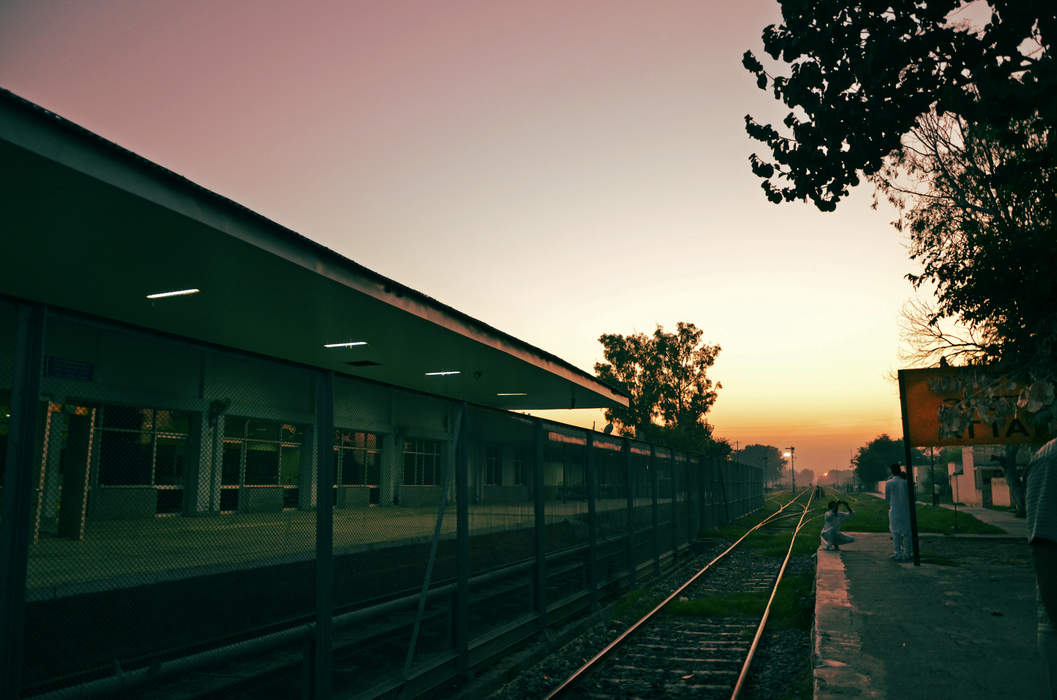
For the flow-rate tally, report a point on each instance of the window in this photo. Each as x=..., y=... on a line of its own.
x=358, y=458
x=145, y=447
x=493, y=466
x=142, y=446
x=260, y=453
x=520, y=470
x=421, y=461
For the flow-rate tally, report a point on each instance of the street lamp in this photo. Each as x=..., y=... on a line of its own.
x=792, y=464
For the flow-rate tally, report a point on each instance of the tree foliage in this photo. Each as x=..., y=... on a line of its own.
x=767, y=457
x=666, y=378
x=981, y=215
x=956, y=124
x=862, y=74
x=873, y=459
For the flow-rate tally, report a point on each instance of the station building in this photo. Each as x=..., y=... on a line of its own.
x=201, y=402
x=174, y=367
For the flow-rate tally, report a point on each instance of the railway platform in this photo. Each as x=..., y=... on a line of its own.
x=961, y=625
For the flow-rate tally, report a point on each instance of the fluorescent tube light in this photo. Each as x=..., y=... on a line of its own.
x=177, y=293
x=512, y=393
x=351, y=344
x=444, y=373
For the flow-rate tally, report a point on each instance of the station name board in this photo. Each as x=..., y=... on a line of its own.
x=935, y=414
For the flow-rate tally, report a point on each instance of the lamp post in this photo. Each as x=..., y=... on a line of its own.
x=791, y=454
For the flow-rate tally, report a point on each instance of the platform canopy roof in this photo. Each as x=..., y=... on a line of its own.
x=91, y=227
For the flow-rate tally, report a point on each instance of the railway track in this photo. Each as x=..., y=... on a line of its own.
x=688, y=645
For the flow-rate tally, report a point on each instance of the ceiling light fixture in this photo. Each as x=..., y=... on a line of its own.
x=512, y=393
x=177, y=293
x=444, y=373
x=350, y=344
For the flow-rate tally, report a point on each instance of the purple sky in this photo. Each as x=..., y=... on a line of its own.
x=556, y=169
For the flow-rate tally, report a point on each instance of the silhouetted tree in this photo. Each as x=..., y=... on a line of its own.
x=767, y=457
x=980, y=214
x=872, y=460
x=666, y=377
x=862, y=75
x=956, y=125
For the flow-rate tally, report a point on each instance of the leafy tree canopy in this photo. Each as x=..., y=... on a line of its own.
x=861, y=74
x=873, y=459
x=957, y=124
x=666, y=377
x=767, y=457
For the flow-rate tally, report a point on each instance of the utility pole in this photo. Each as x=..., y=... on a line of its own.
x=792, y=466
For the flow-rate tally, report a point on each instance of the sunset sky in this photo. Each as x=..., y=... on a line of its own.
x=557, y=169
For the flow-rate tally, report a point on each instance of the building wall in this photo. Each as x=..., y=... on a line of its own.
x=96, y=372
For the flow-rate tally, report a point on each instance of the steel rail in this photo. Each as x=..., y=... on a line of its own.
x=767, y=610
x=590, y=665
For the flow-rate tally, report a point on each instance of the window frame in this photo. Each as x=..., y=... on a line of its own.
x=416, y=449
x=340, y=449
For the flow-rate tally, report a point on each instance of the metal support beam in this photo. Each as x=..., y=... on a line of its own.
x=591, y=479
x=540, y=540
x=324, y=430
x=673, y=470
x=629, y=553
x=18, y=487
x=655, y=509
x=427, y=579
x=722, y=471
x=462, y=548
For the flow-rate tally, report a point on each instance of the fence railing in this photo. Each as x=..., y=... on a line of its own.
x=171, y=507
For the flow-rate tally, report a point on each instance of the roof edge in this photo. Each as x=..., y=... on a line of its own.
x=30, y=126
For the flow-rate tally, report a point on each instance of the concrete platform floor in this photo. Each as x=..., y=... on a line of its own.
x=962, y=625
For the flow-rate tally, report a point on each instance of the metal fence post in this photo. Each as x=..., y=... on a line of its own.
x=540, y=541
x=462, y=551
x=692, y=511
x=324, y=534
x=18, y=476
x=629, y=553
x=722, y=471
x=427, y=578
x=591, y=479
x=655, y=507
x=674, y=489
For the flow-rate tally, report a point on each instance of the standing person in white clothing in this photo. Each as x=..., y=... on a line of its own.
x=898, y=514
x=1041, y=501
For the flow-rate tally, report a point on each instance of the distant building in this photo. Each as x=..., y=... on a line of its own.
x=979, y=479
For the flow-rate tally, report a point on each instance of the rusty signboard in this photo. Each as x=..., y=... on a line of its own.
x=931, y=399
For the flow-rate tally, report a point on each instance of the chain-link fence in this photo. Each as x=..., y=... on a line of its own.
x=203, y=521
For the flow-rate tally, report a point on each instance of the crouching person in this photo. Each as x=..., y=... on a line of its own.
x=832, y=537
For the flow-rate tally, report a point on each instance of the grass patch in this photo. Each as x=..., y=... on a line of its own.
x=871, y=515
x=723, y=605
x=771, y=503
x=793, y=605
x=777, y=544
x=628, y=602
